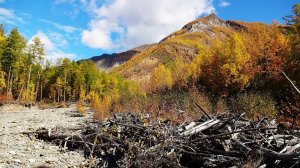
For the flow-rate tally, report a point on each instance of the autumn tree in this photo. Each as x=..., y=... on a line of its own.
x=226, y=70
x=161, y=78
x=2, y=81
x=293, y=31
x=2, y=45
x=180, y=72
x=13, y=61
x=58, y=88
x=35, y=52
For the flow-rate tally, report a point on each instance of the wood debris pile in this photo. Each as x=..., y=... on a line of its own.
x=132, y=140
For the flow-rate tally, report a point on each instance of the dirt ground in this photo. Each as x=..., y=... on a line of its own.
x=20, y=148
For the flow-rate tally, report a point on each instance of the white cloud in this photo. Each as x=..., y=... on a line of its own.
x=68, y=29
x=224, y=3
x=59, y=39
x=8, y=16
x=126, y=24
x=2, y=1
x=44, y=39
x=53, y=52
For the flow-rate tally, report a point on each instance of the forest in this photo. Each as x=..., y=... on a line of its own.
x=256, y=71
x=26, y=77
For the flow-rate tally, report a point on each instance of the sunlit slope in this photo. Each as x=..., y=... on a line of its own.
x=191, y=42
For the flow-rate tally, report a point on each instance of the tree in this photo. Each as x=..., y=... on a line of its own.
x=13, y=60
x=2, y=45
x=36, y=52
x=180, y=72
x=161, y=78
x=58, y=87
x=13, y=50
x=2, y=41
x=227, y=69
x=2, y=81
x=293, y=31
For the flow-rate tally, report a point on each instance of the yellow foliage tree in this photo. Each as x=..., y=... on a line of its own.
x=228, y=69
x=180, y=72
x=2, y=81
x=161, y=78
x=101, y=107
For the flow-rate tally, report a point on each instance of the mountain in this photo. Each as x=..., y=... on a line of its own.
x=107, y=62
x=196, y=43
x=206, y=25
x=183, y=43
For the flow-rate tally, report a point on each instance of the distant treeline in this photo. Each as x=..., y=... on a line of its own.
x=26, y=76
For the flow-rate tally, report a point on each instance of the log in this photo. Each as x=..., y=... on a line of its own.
x=280, y=156
x=201, y=127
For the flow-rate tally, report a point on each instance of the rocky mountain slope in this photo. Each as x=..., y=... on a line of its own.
x=107, y=62
x=184, y=43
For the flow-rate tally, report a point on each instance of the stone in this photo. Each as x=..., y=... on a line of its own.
x=12, y=152
x=51, y=160
x=17, y=161
x=31, y=160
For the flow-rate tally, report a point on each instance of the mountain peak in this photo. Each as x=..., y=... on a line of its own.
x=205, y=23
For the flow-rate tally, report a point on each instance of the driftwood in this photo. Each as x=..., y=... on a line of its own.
x=133, y=140
x=201, y=127
x=292, y=83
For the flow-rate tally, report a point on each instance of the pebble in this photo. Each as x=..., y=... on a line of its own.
x=12, y=152
x=36, y=146
x=17, y=161
x=51, y=160
x=21, y=150
x=31, y=160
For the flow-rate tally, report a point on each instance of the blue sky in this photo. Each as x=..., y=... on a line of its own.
x=83, y=28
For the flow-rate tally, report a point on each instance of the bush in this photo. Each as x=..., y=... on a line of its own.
x=63, y=104
x=101, y=107
x=256, y=106
x=194, y=96
x=81, y=108
x=221, y=106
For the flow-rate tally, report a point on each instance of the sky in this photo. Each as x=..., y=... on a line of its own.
x=79, y=29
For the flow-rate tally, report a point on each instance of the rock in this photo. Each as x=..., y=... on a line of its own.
x=36, y=146
x=31, y=160
x=17, y=161
x=12, y=152
x=51, y=160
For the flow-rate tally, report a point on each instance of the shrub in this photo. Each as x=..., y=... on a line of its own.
x=101, y=107
x=256, y=106
x=63, y=104
x=4, y=98
x=221, y=106
x=194, y=96
x=80, y=107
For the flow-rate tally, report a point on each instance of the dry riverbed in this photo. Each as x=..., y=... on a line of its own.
x=20, y=148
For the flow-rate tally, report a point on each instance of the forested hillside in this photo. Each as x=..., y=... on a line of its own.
x=234, y=65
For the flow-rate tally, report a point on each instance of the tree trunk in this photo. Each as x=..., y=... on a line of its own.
x=41, y=92
x=10, y=85
x=54, y=96
x=28, y=81
x=20, y=93
x=37, y=86
x=58, y=95
x=65, y=87
x=8, y=82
